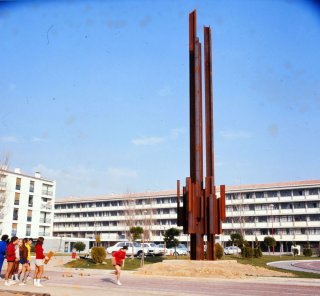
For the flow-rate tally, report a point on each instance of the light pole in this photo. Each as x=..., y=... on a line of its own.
x=272, y=230
x=143, y=236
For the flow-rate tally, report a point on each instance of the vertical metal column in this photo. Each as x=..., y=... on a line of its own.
x=202, y=212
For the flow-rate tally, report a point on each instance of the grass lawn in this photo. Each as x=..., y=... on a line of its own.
x=133, y=264
x=130, y=264
x=262, y=262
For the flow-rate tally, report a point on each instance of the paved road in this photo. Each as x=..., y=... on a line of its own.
x=101, y=282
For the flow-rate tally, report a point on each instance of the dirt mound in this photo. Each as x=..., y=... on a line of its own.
x=229, y=269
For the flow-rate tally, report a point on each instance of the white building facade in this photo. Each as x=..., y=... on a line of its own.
x=288, y=211
x=26, y=204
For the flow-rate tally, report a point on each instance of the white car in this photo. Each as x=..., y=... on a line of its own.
x=232, y=250
x=153, y=249
x=137, y=248
x=164, y=250
x=179, y=250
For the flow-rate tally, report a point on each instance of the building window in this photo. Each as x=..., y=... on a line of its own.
x=28, y=230
x=272, y=194
x=18, y=183
x=259, y=194
x=29, y=216
x=14, y=229
x=313, y=191
x=15, y=214
x=31, y=186
x=16, y=198
x=298, y=192
x=30, y=201
x=285, y=193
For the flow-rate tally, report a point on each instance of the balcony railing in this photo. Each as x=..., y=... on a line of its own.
x=47, y=192
x=46, y=207
x=41, y=233
x=45, y=220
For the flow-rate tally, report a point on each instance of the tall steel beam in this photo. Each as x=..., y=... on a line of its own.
x=202, y=212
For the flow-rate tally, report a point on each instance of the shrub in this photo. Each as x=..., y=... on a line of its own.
x=295, y=252
x=307, y=252
x=98, y=254
x=247, y=252
x=257, y=252
x=219, y=250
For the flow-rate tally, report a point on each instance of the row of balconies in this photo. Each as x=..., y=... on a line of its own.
x=281, y=224
x=115, y=208
x=274, y=212
x=114, y=218
x=279, y=238
x=106, y=228
x=271, y=200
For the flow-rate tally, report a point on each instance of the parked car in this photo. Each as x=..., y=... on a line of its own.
x=164, y=249
x=232, y=250
x=153, y=249
x=181, y=249
x=137, y=248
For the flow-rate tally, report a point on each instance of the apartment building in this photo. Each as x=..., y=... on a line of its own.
x=111, y=216
x=289, y=211
x=26, y=204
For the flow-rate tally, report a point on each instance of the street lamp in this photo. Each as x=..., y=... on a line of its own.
x=142, y=258
x=272, y=230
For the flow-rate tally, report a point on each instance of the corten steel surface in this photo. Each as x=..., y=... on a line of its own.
x=202, y=212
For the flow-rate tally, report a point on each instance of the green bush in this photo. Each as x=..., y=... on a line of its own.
x=247, y=252
x=98, y=254
x=307, y=252
x=219, y=250
x=257, y=252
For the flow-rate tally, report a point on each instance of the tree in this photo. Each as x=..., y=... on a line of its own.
x=79, y=246
x=170, y=238
x=269, y=241
x=135, y=233
x=257, y=250
x=237, y=239
x=4, y=161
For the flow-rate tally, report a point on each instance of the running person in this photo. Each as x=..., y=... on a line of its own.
x=119, y=258
x=23, y=262
x=11, y=258
x=39, y=262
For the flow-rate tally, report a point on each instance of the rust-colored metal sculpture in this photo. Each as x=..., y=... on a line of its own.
x=202, y=212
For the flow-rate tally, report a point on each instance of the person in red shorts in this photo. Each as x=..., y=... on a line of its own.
x=118, y=262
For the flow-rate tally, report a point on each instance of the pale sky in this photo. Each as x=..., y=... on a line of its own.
x=95, y=94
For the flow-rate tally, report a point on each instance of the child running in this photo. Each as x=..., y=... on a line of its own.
x=11, y=258
x=119, y=258
x=16, y=264
x=23, y=262
x=39, y=262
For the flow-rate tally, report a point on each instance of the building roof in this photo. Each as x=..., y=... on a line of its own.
x=249, y=187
